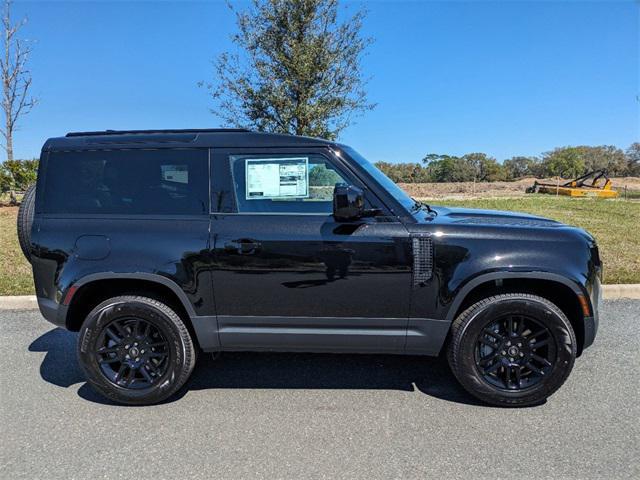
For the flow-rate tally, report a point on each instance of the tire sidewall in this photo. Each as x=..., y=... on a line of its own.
x=561, y=333
x=25, y=221
x=90, y=333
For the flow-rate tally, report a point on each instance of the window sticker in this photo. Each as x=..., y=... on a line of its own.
x=277, y=178
x=175, y=173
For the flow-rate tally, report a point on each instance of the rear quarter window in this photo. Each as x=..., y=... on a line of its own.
x=135, y=182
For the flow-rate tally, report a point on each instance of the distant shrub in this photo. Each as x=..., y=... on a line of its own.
x=17, y=176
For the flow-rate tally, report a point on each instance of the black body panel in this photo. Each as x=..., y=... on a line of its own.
x=314, y=276
x=176, y=249
x=388, y=283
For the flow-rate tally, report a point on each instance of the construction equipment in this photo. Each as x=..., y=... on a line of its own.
x=588, y=185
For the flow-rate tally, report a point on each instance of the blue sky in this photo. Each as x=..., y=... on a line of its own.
x=505, y=78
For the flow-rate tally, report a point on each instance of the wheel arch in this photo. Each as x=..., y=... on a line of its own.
x=92, y=289
x=560, y=290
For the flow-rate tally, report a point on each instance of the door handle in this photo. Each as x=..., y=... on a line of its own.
x=242, y=246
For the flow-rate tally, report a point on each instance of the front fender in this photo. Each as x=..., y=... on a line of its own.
x=465, y=258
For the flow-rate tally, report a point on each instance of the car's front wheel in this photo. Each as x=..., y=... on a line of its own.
x=513, y=349
x=135, y=350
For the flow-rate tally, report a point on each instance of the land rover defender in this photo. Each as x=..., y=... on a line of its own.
x=158, y=245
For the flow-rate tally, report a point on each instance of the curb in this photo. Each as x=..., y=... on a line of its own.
x=19, y=302
x=609, y=292
x=631, y=290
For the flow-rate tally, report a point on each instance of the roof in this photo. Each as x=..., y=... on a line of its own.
x=184, y=138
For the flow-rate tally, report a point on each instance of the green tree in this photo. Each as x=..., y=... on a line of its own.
x=419, y=173
x=567, y=162
x=405, y=172
x=300, y=73
x=17, y=175
x=633, y=160
x=23, y=172
x=434, y=157
x=446, y=168
x=518, y=167
x=485, y=168
x=605, y=157
x=6, y=180
x=321, y=176
x=387, y=169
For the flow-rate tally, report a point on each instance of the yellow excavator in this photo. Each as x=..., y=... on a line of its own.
x=593, y=184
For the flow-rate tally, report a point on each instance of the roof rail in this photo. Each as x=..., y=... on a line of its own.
x=135, y=132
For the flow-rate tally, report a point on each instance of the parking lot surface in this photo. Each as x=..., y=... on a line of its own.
x=249, y=415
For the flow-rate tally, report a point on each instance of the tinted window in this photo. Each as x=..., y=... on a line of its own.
x=170, y=182
x=295, y=183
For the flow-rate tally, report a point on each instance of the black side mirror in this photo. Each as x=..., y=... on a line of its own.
x=348, y=203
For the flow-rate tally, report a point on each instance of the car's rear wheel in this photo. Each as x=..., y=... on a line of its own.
x=135, y=350
x=512, y=350
x=25, y=221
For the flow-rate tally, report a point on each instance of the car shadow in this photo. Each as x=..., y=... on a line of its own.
x=238, y=370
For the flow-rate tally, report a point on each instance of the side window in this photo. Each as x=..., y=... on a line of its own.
x=137, y=182
x=284, y=183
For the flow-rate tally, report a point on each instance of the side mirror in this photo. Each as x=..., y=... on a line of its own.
x=348, y=203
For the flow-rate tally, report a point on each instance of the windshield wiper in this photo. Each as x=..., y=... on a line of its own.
x=418, y=205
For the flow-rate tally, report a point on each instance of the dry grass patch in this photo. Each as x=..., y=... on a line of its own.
x=15, y=271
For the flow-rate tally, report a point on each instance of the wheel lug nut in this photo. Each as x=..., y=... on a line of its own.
x=127, y=357
x=137, y=359
x=127, y=346
x=519, y=344
x=141, y=351
x=511, y=359
x=521, y=354
x=508, y=344
x=503, y=352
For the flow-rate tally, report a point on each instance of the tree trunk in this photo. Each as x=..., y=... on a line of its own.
x=9, y=139
x=6, y=75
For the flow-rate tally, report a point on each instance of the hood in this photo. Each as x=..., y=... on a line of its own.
x=473, y=216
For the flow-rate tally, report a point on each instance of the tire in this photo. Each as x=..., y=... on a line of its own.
x=140, y=335
x=25, y=221
x=505, y=371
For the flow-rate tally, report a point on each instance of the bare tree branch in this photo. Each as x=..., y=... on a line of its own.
x=16, y=78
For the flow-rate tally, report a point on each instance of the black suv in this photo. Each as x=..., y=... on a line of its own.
x=157, y=245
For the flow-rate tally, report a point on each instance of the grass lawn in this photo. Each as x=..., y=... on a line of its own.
x=615, y=224
x=15, y=271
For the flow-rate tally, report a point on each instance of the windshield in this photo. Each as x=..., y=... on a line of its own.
x=384, y=181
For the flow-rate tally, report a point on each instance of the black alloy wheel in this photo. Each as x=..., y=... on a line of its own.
x=512, y=349
x=515, y=352
x=133, y=353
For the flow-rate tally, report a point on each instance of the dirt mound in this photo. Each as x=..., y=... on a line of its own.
x=493, y=189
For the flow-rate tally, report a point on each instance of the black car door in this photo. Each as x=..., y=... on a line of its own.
x=286, y=275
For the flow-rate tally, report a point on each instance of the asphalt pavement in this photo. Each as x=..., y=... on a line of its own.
x=249, y=415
